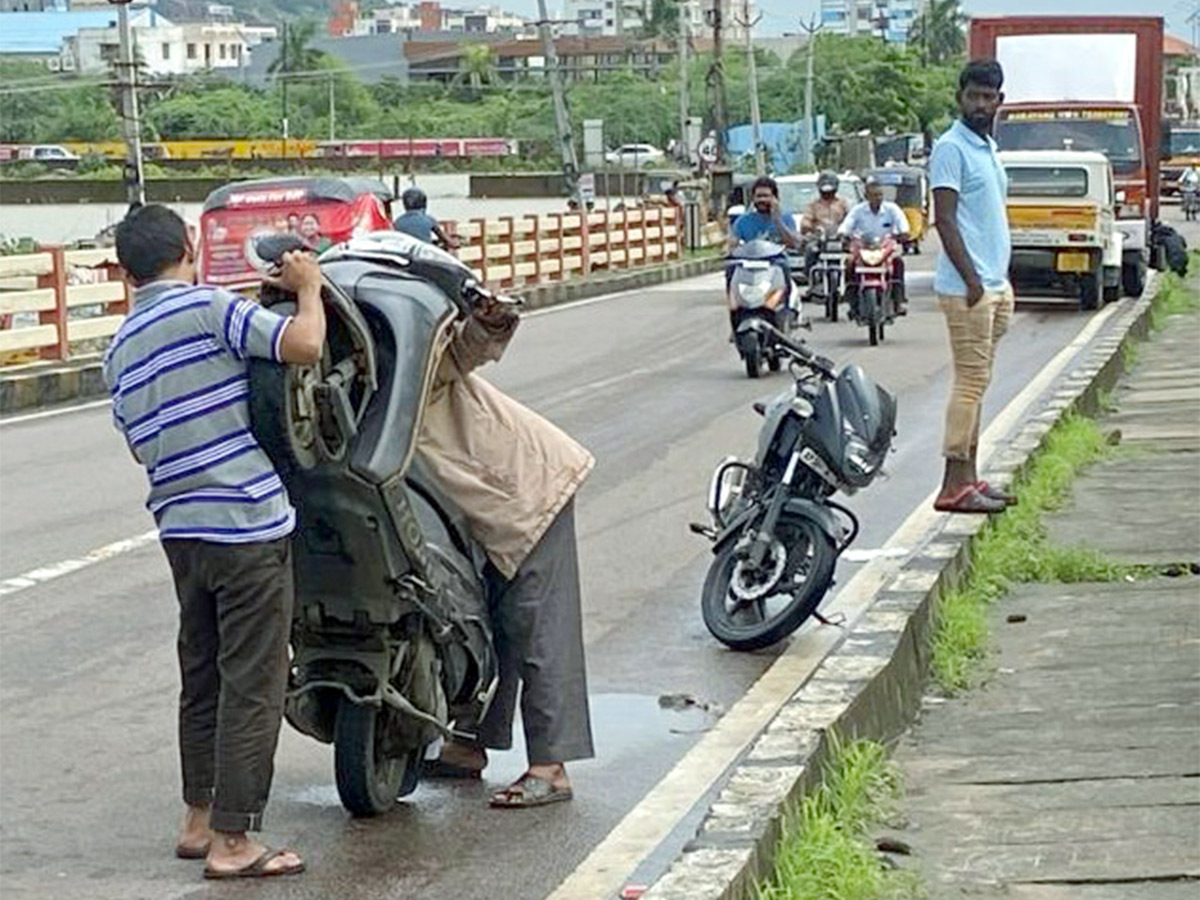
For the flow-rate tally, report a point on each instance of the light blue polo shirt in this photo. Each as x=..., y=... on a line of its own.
x=967, y=164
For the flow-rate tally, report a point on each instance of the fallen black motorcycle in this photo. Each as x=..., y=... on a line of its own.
x=776, y=532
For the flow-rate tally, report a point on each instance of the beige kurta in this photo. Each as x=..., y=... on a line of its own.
x=508, y=469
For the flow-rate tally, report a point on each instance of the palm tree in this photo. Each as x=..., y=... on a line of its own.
x=297, y=54
x=939, y=31
x=476, y=66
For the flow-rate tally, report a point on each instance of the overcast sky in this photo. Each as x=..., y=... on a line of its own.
x=784, y=15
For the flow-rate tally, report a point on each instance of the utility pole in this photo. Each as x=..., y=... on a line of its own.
x=810, y=28
x=682, y=6
x=760, y=160
x=284, y=63
x=716, y=78
x=332, y=111
x=135, y=176
x=562, y=122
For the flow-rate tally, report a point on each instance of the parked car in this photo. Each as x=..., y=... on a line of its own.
x=47, y=153
x=635, y=156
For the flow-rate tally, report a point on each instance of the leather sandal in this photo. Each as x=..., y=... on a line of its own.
x=968, y=499
x=995, y=493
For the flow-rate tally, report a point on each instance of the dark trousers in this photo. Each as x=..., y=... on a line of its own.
x=235, y=613
x=538, y=626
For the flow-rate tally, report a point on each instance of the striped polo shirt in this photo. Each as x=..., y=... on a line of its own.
x=178, y=372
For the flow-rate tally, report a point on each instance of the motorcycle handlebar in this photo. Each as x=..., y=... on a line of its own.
x=798, y=350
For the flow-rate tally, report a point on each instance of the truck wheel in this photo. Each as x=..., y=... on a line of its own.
x=1091, y=288
x=1133, y=276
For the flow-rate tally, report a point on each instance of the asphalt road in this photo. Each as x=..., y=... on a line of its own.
x=648, y=381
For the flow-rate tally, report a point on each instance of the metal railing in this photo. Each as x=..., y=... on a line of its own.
x=57, y=286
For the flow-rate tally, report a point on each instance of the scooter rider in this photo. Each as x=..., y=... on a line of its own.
x=767, y=221
x=872, y=220
x=416, y=221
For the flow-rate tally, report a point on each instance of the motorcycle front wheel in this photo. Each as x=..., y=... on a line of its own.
x=368, y=781
x=746, y=613
x=872, y=303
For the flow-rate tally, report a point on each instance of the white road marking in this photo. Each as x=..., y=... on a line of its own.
x=653, y=819
x=865, y=555
x=46, y=414
x=57, y=570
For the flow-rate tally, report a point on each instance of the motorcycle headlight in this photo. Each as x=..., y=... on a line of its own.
x=858, y=457
x=872, y=257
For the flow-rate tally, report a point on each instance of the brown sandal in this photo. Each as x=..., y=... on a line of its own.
x=258, y=868
x=529, y=791
x=968, y=500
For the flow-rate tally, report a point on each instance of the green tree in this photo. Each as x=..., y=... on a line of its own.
x=296, y=52
x=476, y=67
x=215, y=112
x=662, y=22
x=939, y=31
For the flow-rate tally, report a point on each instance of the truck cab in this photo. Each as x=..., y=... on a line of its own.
x=1075, y=83
x=1062, y=218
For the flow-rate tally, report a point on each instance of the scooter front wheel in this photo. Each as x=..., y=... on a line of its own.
x=368, y=781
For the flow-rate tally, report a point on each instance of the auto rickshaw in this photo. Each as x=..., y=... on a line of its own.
x=908, y=188
x=323, y=210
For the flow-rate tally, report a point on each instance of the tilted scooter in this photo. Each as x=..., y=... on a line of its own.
x=392, y=647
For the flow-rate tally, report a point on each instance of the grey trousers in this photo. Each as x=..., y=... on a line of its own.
x=235, y=613
x=538, y=627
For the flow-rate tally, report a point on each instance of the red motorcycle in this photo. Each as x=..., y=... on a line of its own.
x=878, y=284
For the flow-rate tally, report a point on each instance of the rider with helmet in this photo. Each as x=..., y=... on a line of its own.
x=827, y=209
x=823, y=215
x=416, y=222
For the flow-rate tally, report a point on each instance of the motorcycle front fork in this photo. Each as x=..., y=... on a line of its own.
x=764, y=535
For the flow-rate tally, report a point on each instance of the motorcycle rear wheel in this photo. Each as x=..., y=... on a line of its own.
x=742, y=625
x=368, y=782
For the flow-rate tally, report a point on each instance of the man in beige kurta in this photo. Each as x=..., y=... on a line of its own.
x=514, y=476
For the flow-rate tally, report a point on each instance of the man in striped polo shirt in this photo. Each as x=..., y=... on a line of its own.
x=178, y=373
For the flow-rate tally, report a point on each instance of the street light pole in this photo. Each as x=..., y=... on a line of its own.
x=682, y=6
x=135, y=176
x=811, y=29
x=562, y=122
x=760, y=162
x=716, y=77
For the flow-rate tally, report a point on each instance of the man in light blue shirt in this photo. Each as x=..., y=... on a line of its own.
x=971, y=280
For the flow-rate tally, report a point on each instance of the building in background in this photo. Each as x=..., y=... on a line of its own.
x=611, y=18
x=86, y=42
x=889, y=19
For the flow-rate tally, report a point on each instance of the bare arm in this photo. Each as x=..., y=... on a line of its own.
x=304, y=336
x=945, y=211
x=790, y=238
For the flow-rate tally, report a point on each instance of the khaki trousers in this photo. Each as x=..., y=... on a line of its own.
x=974, y=332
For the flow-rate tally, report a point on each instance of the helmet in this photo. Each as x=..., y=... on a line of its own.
x=414, y=198
x=827, y=182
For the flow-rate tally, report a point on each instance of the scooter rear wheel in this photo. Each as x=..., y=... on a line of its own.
x=368, y=781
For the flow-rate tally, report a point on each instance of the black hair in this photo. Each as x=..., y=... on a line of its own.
x=767, y=182
x=150, y=239
x=982, y=73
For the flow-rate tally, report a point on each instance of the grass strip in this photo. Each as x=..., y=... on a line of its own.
x=825, y=851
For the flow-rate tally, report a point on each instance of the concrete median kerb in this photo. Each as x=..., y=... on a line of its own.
x=872, y=684
x=40, y=385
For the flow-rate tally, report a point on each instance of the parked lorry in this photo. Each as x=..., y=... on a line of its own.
x=1088, y=83
x=1182, y=153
